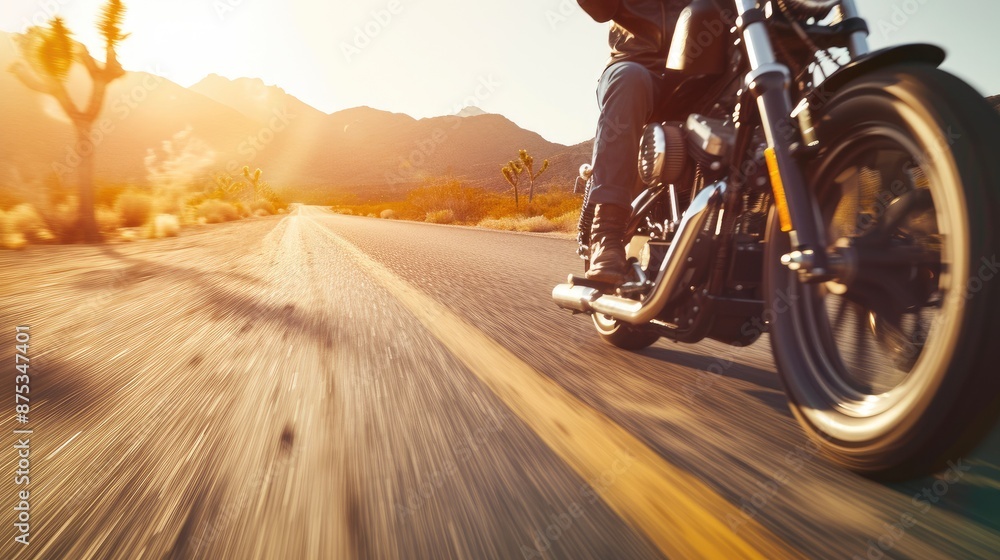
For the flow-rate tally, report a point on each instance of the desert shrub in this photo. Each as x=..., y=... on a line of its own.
x=12, y=241
x=216, y=211
x=445, y=216
x=62, y=218
x=164, y=225
x=467, y=204
x=195, y=200
x=9, y=237
x=388, y=214
x=506, y=223
x=134, y=209
x=263, y=208
x=568, y=222
x=106, y=195
x=535, y=224
x=17, y=224
x=538, y=224
x=188, y=215
x=108, y=220
x=25, y=221
x=500, y=206
x=555, y=204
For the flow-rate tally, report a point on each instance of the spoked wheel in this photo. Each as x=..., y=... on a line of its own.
x=890, y=367
x=623, y=335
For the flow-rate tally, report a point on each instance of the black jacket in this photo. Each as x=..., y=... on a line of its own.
x=642, y=29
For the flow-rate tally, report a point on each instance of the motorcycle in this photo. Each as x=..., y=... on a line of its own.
x=842, y=200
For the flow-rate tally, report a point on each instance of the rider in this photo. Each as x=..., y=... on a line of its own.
x=641, y=32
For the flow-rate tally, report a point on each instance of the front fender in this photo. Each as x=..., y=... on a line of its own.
x=918, y=52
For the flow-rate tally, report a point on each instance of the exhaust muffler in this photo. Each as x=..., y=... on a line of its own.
x=589, y=300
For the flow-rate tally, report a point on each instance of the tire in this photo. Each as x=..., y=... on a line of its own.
x=623, y=335
x=619, y=334
x=914, y=385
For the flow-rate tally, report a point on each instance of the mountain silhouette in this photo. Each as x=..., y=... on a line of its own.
x=246, y=122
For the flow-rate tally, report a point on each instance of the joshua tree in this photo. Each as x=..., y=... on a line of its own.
x=512, y=172
x=529, y=167
x=48, y=55
x=523, y=164
x=259, y=187
x=228, y=188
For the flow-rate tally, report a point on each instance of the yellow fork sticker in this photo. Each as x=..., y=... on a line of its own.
x=779, y=190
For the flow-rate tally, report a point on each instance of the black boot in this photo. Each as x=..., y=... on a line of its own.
x=607, y=250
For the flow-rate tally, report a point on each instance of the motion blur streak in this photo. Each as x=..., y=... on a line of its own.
x=674, y=509
x=257, y=390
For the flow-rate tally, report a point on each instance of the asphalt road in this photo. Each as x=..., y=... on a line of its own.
x=325, y=386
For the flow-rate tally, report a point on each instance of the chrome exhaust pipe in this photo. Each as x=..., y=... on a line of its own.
x=575, y=298
x=668, y=279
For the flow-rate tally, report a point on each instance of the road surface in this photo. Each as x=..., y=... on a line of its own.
x=325, y=386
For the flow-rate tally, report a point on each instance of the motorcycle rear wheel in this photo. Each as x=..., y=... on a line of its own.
x=908, y=165
x=623, y=335
x=620, y=334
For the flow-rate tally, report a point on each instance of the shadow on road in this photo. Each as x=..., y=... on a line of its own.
x=223, y=303
x=726, y=367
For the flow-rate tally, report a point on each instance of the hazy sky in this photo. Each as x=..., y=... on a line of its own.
x=535, y=61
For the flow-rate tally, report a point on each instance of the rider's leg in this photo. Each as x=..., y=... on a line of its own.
x=626, y=97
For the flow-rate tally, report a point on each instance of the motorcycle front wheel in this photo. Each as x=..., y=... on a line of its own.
x=892, y=370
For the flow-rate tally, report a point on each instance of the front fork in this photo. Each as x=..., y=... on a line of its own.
x=769, y=81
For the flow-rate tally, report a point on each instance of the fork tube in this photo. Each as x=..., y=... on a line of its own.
x=769, y=81
x=858, y=45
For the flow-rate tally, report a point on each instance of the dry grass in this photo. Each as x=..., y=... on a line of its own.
x=388, y=214
x=263, y=208
x=24, y=221
x=505, y=224
x=536, y=224
x=123, y=212
x=216, y=211
x=568, y=222
x=108, y=220
x=62, y=219
x=12, y=241
x=446, y=216
x=164, y=225
x=450, y=202
x=22, y=225
x=134, y=209
x=539, y=224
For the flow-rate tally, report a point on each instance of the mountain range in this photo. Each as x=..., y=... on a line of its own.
x=245, y=122
x=361, y=151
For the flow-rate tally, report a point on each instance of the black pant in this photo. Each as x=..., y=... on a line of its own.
x=627, y=94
